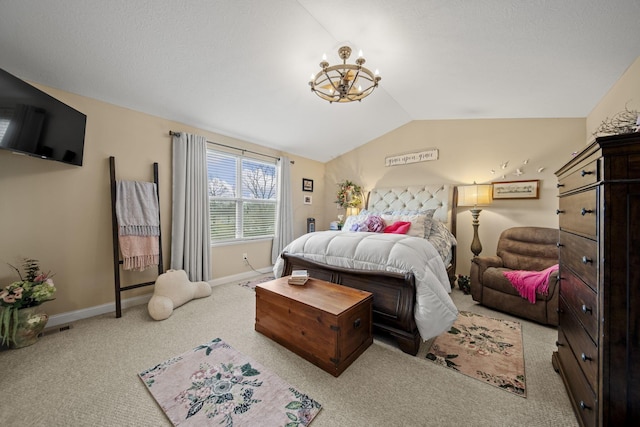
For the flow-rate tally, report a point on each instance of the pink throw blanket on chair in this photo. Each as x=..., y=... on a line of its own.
x=529, y=282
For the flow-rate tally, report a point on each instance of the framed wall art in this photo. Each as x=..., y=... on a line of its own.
x=307, y=185
x=307, y=200
x=516, y=189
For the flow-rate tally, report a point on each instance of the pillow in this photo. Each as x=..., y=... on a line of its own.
x=442, y=239
x=352, y=222
x=372, y=223
x=428, y=213
x=399, y=227
x=417, y=222
x=441, y=230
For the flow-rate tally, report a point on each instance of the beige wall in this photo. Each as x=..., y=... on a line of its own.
x=624, y=93
x=61, y=214
x=468, y=150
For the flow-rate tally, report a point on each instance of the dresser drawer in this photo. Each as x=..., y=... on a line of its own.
x=585, y=351
x=581, y=256
x=582, y=395
x=581, y=299
x=585, y=175
x=577, y=213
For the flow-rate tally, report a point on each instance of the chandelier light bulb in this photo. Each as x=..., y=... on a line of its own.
x=360, y=55
x=376, y=73
x=324, y=56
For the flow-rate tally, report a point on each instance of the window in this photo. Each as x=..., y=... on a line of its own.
x=242, y=196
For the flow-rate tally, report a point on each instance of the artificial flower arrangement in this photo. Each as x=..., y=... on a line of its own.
x=31, y=290
x=349, y=194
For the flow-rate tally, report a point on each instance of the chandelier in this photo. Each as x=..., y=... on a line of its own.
x=344, y=82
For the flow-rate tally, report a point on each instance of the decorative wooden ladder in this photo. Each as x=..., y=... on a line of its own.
x=117, y=262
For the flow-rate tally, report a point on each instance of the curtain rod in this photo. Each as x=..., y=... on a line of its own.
x=172, y=133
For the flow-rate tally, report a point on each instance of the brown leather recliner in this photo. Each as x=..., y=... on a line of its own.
x=519, y=248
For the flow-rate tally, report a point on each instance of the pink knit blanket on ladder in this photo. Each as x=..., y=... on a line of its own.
x=529, y=282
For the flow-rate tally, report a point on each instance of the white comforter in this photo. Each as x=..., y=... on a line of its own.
x=434, y=311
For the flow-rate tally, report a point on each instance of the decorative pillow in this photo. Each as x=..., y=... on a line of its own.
x=171, y=290
x=417, y=222
x=428, y=213
x=440, y=229
x=352, y=222
x=399, y=227
x=373, y=223
x=442, y=239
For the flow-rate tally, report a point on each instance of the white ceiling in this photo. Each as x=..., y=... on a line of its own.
x=240, y=67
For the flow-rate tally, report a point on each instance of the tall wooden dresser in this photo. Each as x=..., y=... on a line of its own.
x=598, y=343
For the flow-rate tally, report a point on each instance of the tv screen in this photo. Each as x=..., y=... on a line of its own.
x=35, y=123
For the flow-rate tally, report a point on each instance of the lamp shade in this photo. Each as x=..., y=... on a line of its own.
x=352, y=211
x=475, y=195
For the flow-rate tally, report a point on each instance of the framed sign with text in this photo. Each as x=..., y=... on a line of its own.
x=407, y=158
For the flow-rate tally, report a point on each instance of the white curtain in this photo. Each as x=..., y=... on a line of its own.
x=284, y=210
x=190, y=238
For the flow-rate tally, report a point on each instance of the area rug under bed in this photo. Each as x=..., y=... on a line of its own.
x=484, y=348
x=213, y=384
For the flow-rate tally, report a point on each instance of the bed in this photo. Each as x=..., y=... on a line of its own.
x=409, y=277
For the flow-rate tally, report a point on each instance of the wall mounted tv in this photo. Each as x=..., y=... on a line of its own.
x=35, y=123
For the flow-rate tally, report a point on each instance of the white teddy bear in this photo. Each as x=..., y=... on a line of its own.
x=172, y=289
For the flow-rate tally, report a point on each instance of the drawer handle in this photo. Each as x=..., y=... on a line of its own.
x=558, y=185
x=558, y=211
x=559, y=245
x=585, y=211
x=559, y=344
x=357, y=323
x=583, y=405
x=584, y=357
x=586, y=309
x=586, y=260
x=584, y=172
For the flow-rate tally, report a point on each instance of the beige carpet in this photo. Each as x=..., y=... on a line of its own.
x=87, y=376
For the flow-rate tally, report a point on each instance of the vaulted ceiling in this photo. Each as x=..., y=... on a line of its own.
x=240, y=67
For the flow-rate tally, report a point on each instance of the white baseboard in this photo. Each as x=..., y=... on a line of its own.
x=72, y=316
x=241, y=276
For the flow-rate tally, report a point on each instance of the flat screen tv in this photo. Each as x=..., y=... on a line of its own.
x=35, y=123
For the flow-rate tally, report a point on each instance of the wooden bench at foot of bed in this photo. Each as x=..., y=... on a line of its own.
x=394, y=296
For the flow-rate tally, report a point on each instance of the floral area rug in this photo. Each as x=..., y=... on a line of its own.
x=213, y=384
x=484, y=348
x=252, y=283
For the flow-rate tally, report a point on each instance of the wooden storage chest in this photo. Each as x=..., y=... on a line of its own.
x=327, y=324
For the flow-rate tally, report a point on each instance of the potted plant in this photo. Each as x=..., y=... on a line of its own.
x=464, y=283
x=21, y=320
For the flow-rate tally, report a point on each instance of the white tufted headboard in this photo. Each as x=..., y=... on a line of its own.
x=441, y=197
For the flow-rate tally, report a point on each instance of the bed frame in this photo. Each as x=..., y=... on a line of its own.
x=394, y=294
